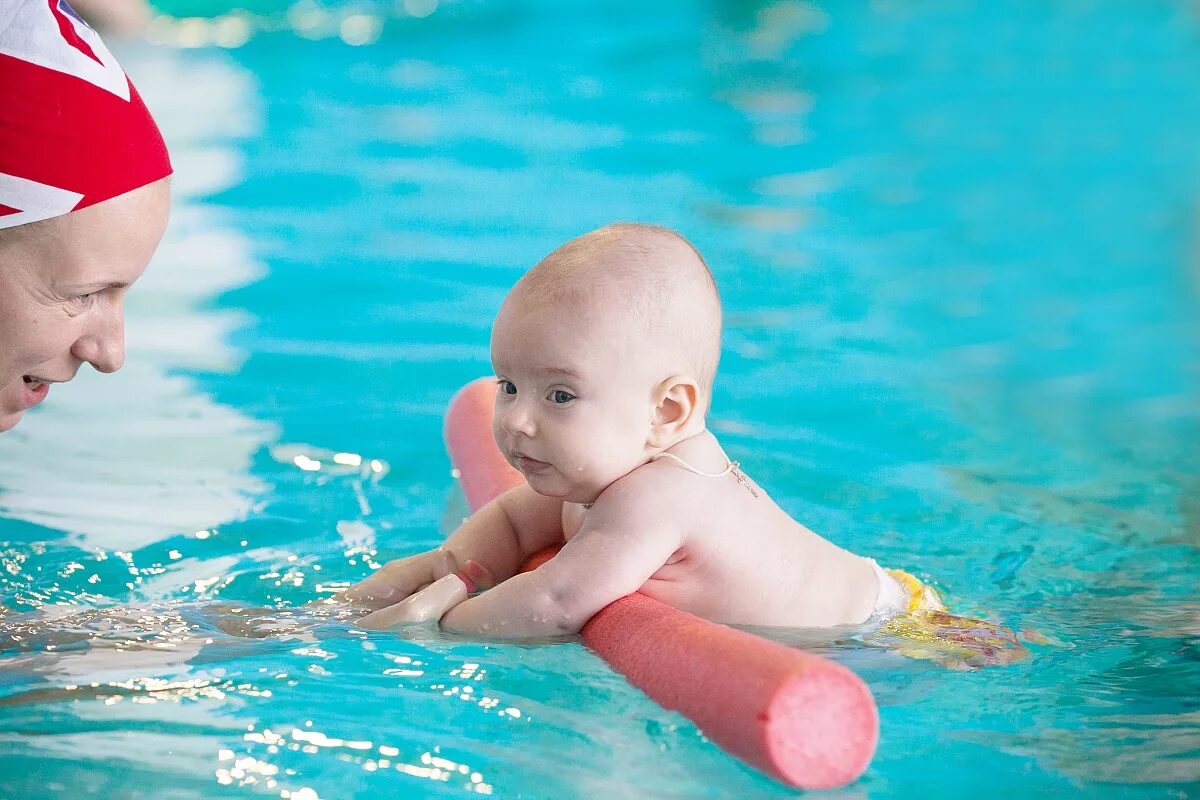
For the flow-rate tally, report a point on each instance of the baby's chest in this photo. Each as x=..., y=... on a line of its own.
x=572, y=519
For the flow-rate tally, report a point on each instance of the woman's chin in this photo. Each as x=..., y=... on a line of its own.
x=9, y=419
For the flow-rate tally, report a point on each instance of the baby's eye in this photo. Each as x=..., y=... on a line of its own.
x=561, y=397
x=508, y=387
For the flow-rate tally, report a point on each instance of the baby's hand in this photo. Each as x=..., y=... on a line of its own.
x=401, y=578
x=431, y=603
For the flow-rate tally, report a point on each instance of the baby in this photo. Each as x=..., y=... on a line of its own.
x=605, y=355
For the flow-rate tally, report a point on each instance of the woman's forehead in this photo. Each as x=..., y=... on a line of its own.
x=106, y=244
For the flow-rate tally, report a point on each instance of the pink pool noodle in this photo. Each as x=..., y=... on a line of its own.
x=803, y=719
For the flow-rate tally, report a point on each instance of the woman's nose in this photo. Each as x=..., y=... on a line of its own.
x=103, y=344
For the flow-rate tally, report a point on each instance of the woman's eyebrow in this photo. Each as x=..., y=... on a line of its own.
x=96, y=286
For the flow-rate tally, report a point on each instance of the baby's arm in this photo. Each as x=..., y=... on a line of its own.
x=497, y=538
x=621, y=545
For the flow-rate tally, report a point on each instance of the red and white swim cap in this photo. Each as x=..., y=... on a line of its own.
x=73, y=130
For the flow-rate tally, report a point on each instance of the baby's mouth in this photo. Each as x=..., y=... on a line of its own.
x=527, y=464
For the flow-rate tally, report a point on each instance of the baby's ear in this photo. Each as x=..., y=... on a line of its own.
x=676, y=404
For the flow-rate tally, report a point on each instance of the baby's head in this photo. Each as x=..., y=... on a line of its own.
x=606, y=353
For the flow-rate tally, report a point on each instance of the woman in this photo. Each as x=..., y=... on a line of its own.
x=83, y=200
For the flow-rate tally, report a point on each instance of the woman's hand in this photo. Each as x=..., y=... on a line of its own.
x=428, y=604
x=398, y=579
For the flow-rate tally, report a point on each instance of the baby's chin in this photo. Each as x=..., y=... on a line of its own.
x=554, y=486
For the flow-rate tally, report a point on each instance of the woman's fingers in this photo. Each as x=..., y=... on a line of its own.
x=478, y=576
x=444, y=594
x=428, y=604
x=393, y=582
x=399, y=579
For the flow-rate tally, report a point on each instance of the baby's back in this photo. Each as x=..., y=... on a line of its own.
x=742, y=559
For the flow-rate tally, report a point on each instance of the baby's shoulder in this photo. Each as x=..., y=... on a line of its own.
x=649, y=494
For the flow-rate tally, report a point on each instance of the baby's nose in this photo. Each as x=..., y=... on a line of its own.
x=518, y=420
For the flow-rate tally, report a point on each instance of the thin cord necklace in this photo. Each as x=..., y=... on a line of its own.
x=732, y=466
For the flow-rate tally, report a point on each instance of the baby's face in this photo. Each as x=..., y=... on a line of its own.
x=574, y=400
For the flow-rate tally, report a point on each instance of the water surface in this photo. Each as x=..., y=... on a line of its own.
x=957, y=247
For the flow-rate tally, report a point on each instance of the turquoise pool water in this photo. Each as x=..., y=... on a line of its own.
x=959, y=252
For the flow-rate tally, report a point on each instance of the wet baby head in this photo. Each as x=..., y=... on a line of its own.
x=605, y=354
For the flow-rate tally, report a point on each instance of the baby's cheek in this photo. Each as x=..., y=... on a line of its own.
x=587, y=473
x=577, y=468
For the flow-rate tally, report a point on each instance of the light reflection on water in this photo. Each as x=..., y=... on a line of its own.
x=961, y=297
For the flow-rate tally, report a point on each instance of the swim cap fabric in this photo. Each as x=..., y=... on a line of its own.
x=73, y=130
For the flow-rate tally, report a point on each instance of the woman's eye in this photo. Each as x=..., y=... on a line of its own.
x=508, y=387
x=83, y=298
x=560, y=397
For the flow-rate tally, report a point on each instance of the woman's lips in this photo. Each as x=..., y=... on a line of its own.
x=34, y=392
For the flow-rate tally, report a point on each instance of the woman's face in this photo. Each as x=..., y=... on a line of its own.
x=62, y=286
